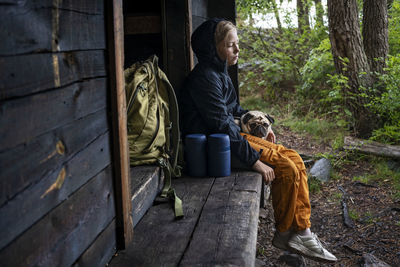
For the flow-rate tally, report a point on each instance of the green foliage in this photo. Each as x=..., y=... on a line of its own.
x=381, y=174
x=275, y=56
x=394, y=28
x=254, y=103
x=314, y=185
x=320, y=85
x=294, y=75
x=387, y=104
x=321, y=129
x=387, y=134
x=248, y=8
x=318, y=66
x=335, y=176
x=336, y=197
x=354, y=215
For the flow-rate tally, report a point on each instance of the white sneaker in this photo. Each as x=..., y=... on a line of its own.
x=311, y=247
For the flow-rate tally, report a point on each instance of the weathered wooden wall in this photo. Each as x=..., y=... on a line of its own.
x=57, y=205
x=178, y=62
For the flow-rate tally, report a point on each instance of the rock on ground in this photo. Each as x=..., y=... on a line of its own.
x=321, y=170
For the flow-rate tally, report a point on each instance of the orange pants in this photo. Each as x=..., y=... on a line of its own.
x=289, y=189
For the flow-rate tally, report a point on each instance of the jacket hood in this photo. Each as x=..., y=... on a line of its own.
x=203, y=42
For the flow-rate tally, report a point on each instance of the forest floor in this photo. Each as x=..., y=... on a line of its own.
x=376, y=215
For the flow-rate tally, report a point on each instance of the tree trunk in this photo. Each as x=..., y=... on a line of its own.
x=375, y=33
x=345, y=37
x=303, y=11
x=319, y=13
x=276, y=12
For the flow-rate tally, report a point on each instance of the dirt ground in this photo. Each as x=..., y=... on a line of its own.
x=376, y=226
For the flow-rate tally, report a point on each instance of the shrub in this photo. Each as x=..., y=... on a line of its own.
x=394, y=28
x=387, y=104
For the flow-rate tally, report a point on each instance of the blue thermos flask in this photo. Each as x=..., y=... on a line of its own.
x=219, y=155
x=195, y=150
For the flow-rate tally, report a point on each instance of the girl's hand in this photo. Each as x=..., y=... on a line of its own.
x=266, y=171
x=271, y=137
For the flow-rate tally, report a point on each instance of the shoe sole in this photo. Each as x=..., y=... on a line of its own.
x=292, y=247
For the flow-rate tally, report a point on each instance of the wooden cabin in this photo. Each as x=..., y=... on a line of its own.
x=65, y=179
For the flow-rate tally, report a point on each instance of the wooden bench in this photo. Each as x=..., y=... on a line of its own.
x=219, y=227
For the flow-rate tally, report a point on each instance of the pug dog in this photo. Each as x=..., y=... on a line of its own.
x=258, y=124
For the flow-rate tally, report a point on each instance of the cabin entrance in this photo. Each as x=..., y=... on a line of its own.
x=137, y=30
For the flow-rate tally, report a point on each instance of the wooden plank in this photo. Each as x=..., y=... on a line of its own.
x=38, y=199
x=226, y=234
x=177, y=68
x=146, y=183
x=29, y=117
x=28, y=74
x=94, y=7
x=119, y=123
x=371, y=147
x=101, y=250
x=61, y=236
x=160, y=240
x=87, y=6
x=142, y=24
x=37, y=27
x=26, y=164
x=188, y=32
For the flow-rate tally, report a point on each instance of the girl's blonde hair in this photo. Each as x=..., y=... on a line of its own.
x=222, y=29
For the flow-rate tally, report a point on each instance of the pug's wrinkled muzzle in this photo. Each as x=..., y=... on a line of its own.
x=259, y=131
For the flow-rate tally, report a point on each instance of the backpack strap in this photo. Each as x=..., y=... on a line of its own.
x=174, y=117
x=170, y=167
x=168, y=191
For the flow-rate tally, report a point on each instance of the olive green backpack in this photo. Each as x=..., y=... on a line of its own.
x=153, y=122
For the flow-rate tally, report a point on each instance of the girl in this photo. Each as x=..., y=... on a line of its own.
x=208, y=104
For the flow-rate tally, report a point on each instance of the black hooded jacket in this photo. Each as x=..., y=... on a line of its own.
x=208, y=101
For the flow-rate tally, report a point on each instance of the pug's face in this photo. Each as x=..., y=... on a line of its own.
x=256, y=123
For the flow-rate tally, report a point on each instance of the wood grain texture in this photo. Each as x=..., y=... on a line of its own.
x=160, y=240
x=371, y=147
x=101, y=250
x=146, y=183
x=219, y=227
x=61, y=236
x=177, y=68
x=226, y=233
x=36, y=26
x=29, y=117
x=28, y=163
x=38, y=199
x=27, y=74
x=115, y=43
x=188, y=34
